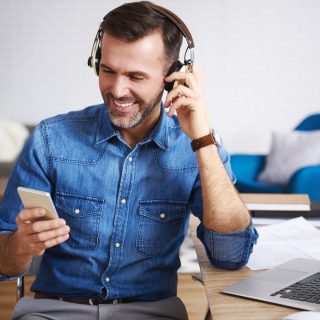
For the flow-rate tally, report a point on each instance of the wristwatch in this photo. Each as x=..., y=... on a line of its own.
x=211, y=138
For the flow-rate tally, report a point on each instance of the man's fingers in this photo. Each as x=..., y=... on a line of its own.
x=35, y=244
x=179, y=91
x=27, y=215
x=181, y=102
x=48, y=235
x=28, y=224
x=41, y=226
x=55, y=241
x=186, y=77
x=177, y=75
x=39, y=248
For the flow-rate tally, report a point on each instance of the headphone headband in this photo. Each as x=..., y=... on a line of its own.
x=94, y=59
x=176, y=21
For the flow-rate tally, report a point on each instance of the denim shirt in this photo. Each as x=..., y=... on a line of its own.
x=128, y=209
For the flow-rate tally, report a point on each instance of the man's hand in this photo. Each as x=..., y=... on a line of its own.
x=188, y=101
x=32, y=238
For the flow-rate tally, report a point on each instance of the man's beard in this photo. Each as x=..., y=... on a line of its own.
x=123, y=120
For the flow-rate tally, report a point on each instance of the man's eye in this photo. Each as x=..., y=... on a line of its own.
x=136, y=78
x=107, y=71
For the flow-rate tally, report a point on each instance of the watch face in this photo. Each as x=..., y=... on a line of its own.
x=217, y=137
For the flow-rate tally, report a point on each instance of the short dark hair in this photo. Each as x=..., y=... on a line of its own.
x=134, y=20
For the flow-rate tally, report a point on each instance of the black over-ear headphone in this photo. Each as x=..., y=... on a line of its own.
x=95, y=57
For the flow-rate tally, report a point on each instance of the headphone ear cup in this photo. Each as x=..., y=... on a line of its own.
x=97, y=59
x=176, y=66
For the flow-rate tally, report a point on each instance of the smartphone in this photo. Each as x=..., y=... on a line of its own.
x=32, y=198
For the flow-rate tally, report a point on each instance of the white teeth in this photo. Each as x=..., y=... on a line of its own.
x=123, y=105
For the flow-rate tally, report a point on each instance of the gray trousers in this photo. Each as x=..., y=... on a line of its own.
x=28, y=308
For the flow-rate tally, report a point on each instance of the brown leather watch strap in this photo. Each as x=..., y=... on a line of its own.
x=203, y=142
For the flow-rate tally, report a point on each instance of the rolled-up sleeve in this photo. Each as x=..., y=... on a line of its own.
x=229, y=250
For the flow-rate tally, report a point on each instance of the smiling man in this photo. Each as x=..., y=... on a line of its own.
x=131, y=83
x=124, y=177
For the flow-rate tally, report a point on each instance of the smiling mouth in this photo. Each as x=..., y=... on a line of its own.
x=123, y=104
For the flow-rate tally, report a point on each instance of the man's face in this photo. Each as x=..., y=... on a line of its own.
x=131, y=79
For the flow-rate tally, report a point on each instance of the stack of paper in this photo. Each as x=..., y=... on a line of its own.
x=281, y=242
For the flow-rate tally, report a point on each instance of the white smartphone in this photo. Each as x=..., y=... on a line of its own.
x=32, y=198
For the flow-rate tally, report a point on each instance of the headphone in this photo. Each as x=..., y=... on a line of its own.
x=95, y=57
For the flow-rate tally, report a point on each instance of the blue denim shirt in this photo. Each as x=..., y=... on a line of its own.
x=128, y=209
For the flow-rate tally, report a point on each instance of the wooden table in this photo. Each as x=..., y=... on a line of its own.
x=227, y=307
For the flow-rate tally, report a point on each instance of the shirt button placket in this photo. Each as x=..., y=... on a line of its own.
x=117, y=234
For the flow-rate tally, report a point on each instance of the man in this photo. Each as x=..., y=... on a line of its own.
x=124, y=179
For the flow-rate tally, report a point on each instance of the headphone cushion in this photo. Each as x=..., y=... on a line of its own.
x=97, y=59
x=176, y=66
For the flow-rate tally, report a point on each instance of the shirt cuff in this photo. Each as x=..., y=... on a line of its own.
x=4, y=278
x=228, y=250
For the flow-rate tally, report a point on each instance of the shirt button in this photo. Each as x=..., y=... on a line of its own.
x=130, y=159
x=162, y=215
x=123, y=201
x=107, y=279
x=77, y=211
x=117, y=244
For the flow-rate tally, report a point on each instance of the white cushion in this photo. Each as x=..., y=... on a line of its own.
x=12, y=138
x=290, y=152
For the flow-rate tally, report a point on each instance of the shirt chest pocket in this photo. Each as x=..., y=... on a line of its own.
x=160, y=223
x=82, y=214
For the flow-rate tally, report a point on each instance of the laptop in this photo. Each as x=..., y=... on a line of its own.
x=295, y=283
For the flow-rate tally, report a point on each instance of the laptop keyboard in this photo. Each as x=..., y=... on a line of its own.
x=307, y=290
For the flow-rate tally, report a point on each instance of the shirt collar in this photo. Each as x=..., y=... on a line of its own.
x=159, y=134
x=105, y=129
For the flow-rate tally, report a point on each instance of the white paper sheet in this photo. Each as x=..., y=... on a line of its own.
x=281, y=242
x=303, y=315
x=267, y=221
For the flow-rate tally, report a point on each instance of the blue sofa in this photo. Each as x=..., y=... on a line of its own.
x=306, y=180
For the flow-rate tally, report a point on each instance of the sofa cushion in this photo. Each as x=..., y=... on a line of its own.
x=290, y=152
x=12, y=137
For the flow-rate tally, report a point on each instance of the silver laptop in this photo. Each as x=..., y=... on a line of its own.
x=295, y=283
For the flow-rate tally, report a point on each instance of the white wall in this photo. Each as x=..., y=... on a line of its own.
x=260, y=59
